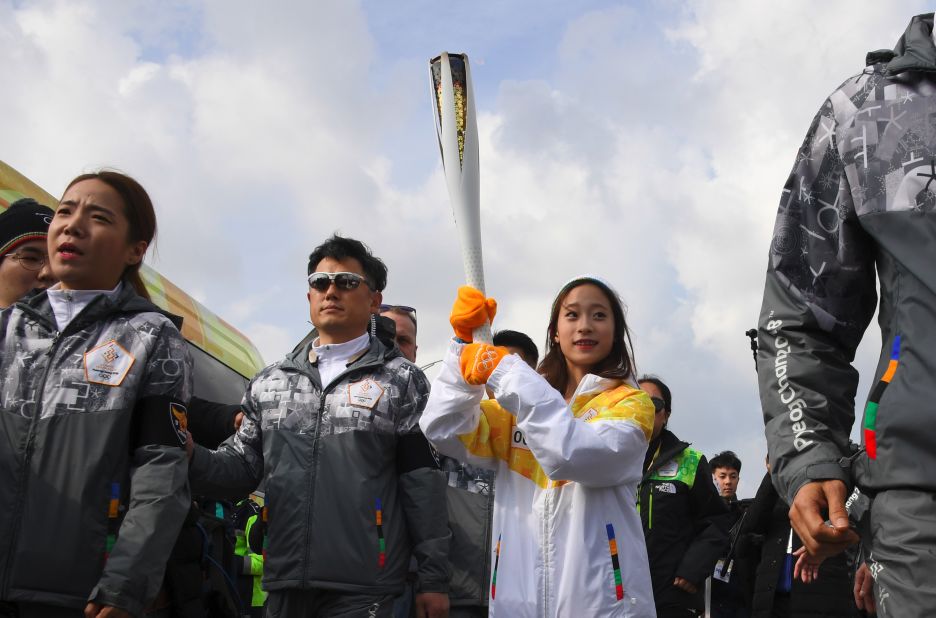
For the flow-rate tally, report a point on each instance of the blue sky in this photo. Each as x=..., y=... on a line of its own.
x=646, y=142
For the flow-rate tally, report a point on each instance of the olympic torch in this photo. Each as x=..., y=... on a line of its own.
x=457, y=128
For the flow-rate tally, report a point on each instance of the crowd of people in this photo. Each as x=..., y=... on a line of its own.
x=345, y=484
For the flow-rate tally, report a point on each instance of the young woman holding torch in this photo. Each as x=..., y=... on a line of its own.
x=567, y=444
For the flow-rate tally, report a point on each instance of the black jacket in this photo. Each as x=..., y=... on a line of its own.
x=685, y=522
x=830, y=595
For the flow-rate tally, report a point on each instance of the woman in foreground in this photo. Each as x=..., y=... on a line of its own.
x=94, y=382
x=567, y=444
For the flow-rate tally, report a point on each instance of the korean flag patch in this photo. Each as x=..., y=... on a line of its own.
x=178, y=416
x=107, y=364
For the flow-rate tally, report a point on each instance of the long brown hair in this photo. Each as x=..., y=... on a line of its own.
x=138, y=208
x=618, y=364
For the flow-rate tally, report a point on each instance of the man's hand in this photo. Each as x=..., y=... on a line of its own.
x=686, y=585
x=432, y=605
x=806, y=567
x=864, y=590
x=821, y=540
x=189, y=444
x=238, y=419
x=96, y=610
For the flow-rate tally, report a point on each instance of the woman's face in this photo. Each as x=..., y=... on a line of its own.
x=89, y=245
x=585, y=326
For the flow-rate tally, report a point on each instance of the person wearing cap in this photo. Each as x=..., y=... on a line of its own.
x=567, y=445
x=685, y=522
x=24, y=259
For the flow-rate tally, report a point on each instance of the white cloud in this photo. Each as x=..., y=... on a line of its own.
x=648, y=144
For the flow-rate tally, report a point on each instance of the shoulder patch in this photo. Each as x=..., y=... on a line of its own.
x=178, y=417
x=107, y=364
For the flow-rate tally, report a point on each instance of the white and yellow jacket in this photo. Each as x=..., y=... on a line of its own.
x=567, y=540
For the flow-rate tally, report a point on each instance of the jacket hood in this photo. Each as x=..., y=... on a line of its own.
x=914, y=51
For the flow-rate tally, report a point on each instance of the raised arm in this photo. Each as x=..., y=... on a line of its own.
x=602, y=448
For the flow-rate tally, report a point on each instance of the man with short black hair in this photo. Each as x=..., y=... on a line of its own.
x=684, y=522
x=731, y=584
x=518, y=343
x=726, y=473
x=352, y=486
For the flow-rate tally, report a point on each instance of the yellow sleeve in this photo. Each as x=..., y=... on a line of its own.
x=625, y=403
x=491, y=438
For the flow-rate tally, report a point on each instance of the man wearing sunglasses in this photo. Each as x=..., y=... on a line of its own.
x=685, y=522
x=352, y=486
x=24, y=258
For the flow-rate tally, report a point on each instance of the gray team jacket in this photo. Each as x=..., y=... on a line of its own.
x=93, y=476
x=351, y=484
x=861, y=197
x=470, y=495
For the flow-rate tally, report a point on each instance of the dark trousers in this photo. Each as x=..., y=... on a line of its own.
x=327, y=604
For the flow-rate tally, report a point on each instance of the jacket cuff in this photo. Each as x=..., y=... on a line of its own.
x=500, y=372
x=110, y=597
x=431, y=586
x=827, y=470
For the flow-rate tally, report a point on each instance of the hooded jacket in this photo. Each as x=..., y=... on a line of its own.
x=351, y=485
x=566, y=536
x=861, y=199
x=93, y=472
x=684, y=519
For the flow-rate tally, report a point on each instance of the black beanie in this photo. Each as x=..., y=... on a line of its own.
x=25, y=220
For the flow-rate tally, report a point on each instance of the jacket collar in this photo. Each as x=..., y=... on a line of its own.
x=914, y=51
x=375, y=354
x=126, y=301
x=669, y=446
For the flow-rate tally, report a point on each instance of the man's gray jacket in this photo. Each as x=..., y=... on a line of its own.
x=93, y=476
x=351, y=485
x=861, y=199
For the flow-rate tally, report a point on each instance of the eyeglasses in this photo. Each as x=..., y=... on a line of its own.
x=658, y=404
x=29, y=261
x=410, y=311
x=320, y=282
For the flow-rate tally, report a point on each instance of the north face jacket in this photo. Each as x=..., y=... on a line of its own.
x=566, y=536
x=351, y=485
x=685, y=522
x=92, y=470
x=861, y=199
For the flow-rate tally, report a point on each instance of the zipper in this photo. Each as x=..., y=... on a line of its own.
x=546, y=562
x=315, y=442
x=27, y=456
x=650, y=511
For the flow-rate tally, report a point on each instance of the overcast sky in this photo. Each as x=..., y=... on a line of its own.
x=646, y=142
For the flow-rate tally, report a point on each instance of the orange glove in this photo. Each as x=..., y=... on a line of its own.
x=470, y=311
x=478, y=360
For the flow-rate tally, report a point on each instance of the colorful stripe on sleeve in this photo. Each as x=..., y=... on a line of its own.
x=615, y=565
x=871, y=410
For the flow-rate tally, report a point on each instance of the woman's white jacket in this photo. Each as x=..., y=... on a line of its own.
x=567, y=539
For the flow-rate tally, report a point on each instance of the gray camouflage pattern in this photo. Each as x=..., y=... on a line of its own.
x=857, y=212
x=69, y=438
x=305, y=442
